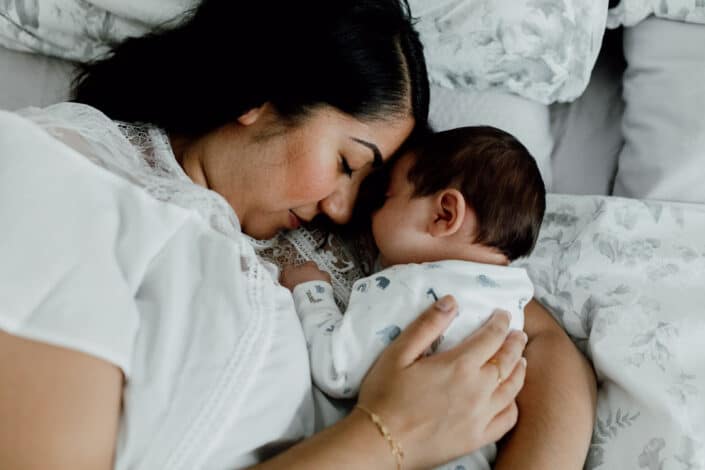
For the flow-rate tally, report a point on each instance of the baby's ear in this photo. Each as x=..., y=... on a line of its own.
x=449, y=213
x=251, y=116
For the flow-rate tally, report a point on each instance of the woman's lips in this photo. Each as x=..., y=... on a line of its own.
x=294, y=221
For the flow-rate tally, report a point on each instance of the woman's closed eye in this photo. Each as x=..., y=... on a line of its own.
x=345, y=166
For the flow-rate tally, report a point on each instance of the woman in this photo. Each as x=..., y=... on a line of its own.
x=139, y=328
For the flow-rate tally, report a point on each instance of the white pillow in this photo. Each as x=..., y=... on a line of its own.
x=543, y=50
x=32, y=80
x=527, y=120
x=588, y=134
x=664, y=119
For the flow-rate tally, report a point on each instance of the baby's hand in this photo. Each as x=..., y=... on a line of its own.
x=292, y=276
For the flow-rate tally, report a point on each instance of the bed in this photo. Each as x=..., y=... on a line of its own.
x=620, y=261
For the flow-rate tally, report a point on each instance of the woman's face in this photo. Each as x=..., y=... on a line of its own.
x=276, y=177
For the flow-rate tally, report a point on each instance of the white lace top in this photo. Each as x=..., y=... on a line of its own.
x=142, y=268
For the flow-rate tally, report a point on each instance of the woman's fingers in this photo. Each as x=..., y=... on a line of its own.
x=507, y=391
x=504, y=360
x=504, y=400
x=422, y=332
x=484, y=343
x=502, y=423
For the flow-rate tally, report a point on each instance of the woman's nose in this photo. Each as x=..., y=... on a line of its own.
x=339, y=205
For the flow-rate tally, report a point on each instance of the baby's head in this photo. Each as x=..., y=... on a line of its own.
x=473, y=193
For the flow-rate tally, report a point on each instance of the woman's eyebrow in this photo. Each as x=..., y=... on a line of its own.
x=377, y=155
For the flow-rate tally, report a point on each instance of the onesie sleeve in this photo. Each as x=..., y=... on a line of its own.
x=342, y=348
x=320, y=317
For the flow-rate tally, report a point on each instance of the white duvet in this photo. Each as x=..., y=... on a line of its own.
x=626, y=279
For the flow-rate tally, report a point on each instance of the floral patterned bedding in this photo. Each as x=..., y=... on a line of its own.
x=626, y=279
x=80, y=30
x=631, y=12
x=543, y=50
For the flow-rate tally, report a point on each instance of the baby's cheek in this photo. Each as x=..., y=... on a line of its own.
x=381, y=225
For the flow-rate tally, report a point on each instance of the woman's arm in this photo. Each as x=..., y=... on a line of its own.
x=352, y=443
x=59, y=408
x=436, y=408
x=557, y=403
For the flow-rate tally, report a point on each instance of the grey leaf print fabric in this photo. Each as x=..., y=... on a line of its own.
x=80, y=30
x=626, y=279
x=543, y=50
x=75, y=30
x=631, y=12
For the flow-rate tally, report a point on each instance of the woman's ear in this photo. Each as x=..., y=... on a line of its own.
x=448, y=213
x=251, y=116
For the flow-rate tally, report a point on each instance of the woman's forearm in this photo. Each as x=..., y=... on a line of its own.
x=556, y=407
x=352, y=443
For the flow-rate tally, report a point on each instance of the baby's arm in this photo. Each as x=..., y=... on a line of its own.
x=557, y=403
x=339, y=360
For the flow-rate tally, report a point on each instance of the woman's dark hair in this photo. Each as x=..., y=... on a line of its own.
x=497, y=176
x=226, y=57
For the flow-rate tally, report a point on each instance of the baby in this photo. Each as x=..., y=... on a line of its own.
x=460, y=206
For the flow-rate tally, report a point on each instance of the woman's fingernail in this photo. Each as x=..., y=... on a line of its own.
x=520, y=334
x=502, y=313
x=523, y=361
x=445, y=304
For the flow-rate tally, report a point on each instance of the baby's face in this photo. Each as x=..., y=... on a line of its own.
x=400, y=226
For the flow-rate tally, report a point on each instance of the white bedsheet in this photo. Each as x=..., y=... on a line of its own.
x=626, y=279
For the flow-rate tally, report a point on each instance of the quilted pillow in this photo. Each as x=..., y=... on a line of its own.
x=539, y=49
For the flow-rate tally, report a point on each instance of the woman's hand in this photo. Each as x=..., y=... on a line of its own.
x=452, y=403
x=292, y=276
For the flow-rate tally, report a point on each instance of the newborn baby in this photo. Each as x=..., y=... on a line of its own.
x=460, y=205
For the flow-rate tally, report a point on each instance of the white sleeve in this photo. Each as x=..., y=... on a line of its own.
x=75, y=240
x=340, y=356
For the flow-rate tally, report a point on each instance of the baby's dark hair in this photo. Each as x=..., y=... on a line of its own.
x=497, y=176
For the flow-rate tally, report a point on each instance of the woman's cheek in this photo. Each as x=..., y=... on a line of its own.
x=310, y=188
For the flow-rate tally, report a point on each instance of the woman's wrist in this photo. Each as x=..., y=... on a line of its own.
x=372, y=443
x=352, y=443
x=367, y=419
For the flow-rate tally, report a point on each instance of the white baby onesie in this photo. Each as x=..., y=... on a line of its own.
x=343, y=348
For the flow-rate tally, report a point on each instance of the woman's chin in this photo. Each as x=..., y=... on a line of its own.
x=262, y=233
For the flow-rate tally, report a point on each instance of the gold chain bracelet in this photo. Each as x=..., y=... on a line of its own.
x=394, y=446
